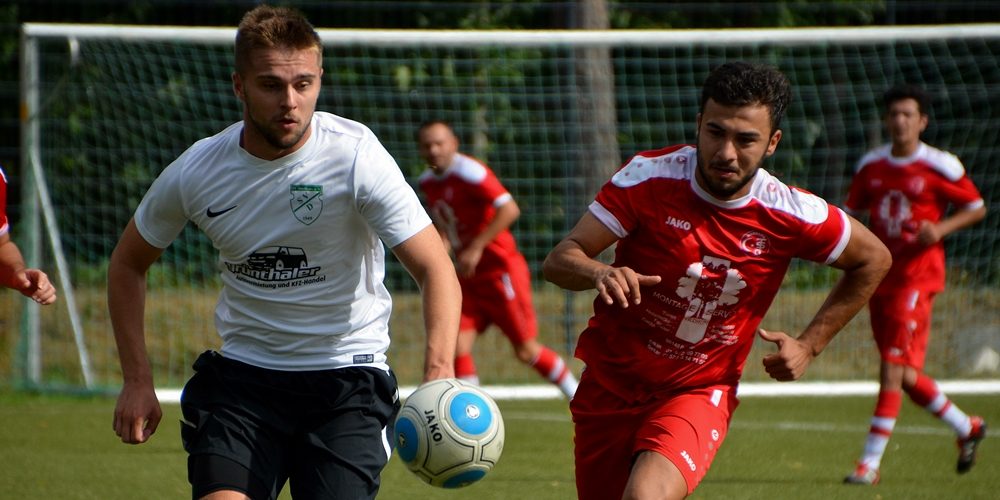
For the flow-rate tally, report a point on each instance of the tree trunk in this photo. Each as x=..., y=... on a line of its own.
x=598, y=156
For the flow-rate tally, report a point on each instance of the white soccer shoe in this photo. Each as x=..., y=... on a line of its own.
x=863, y=475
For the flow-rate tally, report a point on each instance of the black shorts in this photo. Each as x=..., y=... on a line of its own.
x=328, y=433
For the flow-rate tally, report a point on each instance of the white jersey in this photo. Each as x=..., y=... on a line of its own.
x=300, y=255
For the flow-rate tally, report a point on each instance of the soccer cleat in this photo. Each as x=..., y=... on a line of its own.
x=863, y=475
x=967, y=446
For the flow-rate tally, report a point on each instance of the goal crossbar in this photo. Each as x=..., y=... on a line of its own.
x=535, y=38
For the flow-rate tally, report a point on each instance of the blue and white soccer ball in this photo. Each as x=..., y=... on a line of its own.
x=449, y=433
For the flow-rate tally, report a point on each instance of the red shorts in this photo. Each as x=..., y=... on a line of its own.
x=503, y=299
x=901, y=323
x=687, y=428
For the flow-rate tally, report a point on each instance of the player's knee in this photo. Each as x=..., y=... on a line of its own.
x=526, y=352
x=655, y=477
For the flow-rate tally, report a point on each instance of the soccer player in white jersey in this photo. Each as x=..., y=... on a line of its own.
x=473, y=212
x=298, y=203
x=704, y=237
x=904, y=188
x=14, y=274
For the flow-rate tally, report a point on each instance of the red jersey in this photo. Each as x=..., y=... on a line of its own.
x=4, y=225
x=899, y=193
x=463, y=201
x=720, y=262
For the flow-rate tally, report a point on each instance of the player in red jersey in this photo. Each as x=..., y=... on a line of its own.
x=473, y=212
x=704, y=237
x=32, y=283
x=904, y=188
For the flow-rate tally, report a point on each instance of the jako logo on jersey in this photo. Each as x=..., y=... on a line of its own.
x=755, y=243
x=307, y=202
x=678, y=223
x=687, y=458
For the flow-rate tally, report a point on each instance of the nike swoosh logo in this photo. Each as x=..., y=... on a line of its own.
x=210, y=213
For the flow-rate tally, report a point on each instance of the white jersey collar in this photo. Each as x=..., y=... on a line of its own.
x=902, y=161
x=285, y=161
x=740, y=202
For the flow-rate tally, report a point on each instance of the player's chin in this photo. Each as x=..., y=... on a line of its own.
x=286, y=140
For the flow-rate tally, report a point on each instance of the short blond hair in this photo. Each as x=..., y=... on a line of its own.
x=267, y=27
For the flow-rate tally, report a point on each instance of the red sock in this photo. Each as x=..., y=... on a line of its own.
x=886, y=410
x=465, y=366
x=549, y=365
x=923, y=391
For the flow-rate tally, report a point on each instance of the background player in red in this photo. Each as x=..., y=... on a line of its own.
x=473, y=212
x=14, y=273
x=704, y=237
x=904, y=188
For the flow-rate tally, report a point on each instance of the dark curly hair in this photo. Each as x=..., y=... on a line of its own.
x=908, y=91
x=743, y=83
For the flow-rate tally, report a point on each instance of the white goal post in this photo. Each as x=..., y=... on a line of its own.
x=105, y=108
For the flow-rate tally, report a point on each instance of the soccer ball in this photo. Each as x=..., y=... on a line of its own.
x=449, y=433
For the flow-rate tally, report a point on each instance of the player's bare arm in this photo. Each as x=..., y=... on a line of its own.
x=931, y=233
x=32, y=283
x=865, y=261
x=468, y=258
x=137, y=413
x=571, y=265
x=424, y=257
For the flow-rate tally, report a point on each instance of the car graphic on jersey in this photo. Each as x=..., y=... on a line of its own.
x=277, y=258
x=276, y=266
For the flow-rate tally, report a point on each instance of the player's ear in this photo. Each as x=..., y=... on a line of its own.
x=238, y=86
x=772, y=143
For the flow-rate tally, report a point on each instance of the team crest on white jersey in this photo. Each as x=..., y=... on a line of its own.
x=307, y=202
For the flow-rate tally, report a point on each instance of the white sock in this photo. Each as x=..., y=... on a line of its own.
x=568, y=385
x=876, y=442
x=958, y=420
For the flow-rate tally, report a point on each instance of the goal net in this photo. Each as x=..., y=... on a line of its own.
x=106, y=108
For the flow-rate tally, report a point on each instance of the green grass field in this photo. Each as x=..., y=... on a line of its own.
x=778, y=448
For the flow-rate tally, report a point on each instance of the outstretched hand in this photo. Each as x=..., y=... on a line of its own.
x=791, y=360
x=35, y=284
x=621, y=285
